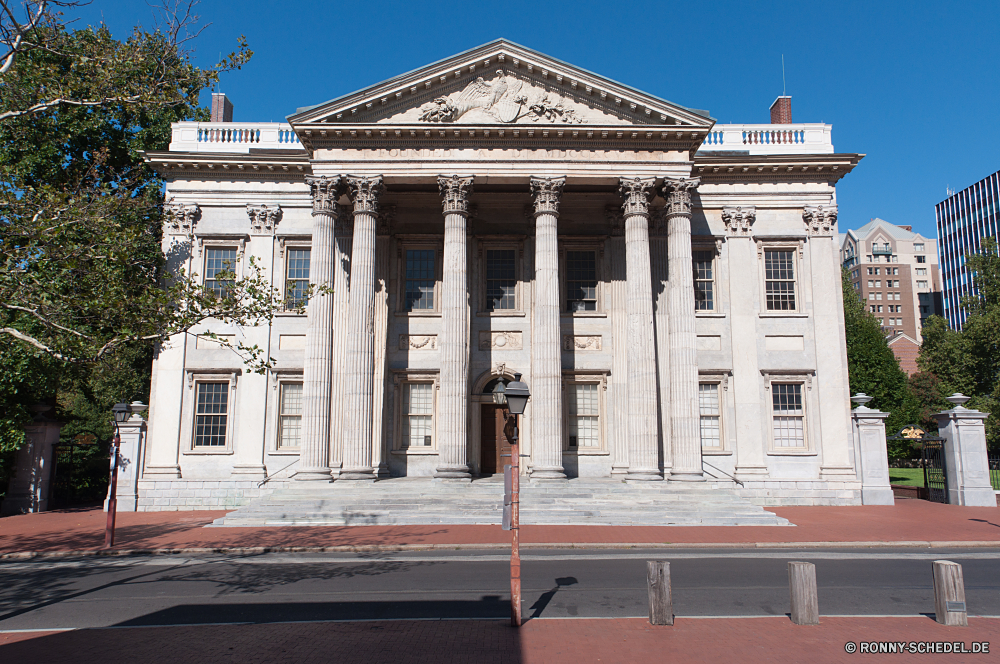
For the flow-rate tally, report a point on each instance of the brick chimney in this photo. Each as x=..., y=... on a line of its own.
x=222, y=108
x=781, y=111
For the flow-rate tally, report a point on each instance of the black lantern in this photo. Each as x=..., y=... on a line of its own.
x=517, y=395
x=122, y=411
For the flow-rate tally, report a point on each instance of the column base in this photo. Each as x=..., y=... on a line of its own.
x=452, y=480
x=677, y=476
x=644, y=476
x=843, y=473
x=880, y=495
x=617, y=471
x=357, y=474
x=453, y=473
x=250, y=471
x=313, y=475
x=547, y=474
x=162, y=472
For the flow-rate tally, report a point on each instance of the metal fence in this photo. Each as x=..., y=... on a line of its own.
x=995, y=473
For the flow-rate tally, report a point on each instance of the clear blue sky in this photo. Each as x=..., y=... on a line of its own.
x=914, y=85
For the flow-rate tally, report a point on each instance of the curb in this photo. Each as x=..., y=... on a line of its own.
x=390, y=548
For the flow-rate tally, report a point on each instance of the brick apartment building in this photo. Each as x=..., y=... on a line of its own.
x=895, y=271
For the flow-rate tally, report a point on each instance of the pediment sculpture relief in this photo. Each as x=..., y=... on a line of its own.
x=505, y=99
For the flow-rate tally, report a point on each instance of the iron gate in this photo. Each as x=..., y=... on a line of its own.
x=935, y=478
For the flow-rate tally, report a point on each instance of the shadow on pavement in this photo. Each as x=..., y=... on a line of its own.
x=487, y=608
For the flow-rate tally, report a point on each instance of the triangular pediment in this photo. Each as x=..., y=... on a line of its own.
x=501, y=83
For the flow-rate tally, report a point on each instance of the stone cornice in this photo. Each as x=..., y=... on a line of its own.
x=783, y=168
x=319, y=136
x=215, y=165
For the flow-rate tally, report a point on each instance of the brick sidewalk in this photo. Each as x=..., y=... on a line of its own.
x=728, y=640
x=908, y=520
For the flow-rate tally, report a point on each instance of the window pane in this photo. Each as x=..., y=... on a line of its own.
x=418, y=405
x=788, y=415
x=297, y=277
x=290, y=415
x=420, y=278
x=584, y=415
x=704, y=281
x=779, y=280
x=219, y=260
x=211, y=414
x=581, y=281
x=708, y=407
x=500, y=280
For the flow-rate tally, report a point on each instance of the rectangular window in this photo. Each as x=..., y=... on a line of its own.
x=779, y=280
x=878, y=270
x=219, y=259
x=921, y=259
x=924, y=309
x=581, y=281
x=420, y=278
x=501, y=280
x=918, y=246
x=871, y=283
x=418, y=414
x=873, y=308
x=704, y=280
x=869, y=257
x=878, y=296
x=895, y=270
x=871, y=270
x=708, y=408
x=290, y=415
x=211, y=415
x=878, y=283
x=921, y=284
x=880, y=308
x=921, y=271
x=296, y=278
x=788, y=415
x=584, y=415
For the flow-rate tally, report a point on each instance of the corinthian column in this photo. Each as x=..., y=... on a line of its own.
x=454, y=341
x=546, y=356
x=341, y=307
x=644, y=462
x=684, y=417
x=364, y=192
x=318, y=363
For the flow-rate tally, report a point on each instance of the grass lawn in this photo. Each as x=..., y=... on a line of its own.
x=906, y=476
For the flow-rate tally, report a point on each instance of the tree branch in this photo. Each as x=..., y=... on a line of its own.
x=39, y=345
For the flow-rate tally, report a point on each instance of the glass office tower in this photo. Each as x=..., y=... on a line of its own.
x=963, y=220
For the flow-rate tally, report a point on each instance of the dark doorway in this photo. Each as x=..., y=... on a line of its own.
x=493, y=443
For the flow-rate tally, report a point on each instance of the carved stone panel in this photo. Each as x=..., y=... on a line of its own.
x=571, y=342
x=418, y=342
x=500, y=340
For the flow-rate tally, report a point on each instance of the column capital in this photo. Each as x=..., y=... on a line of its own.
x=181, y=218
x=325, y=192
x=263, y=218
x=739, y=220
x=364, y=192
x=455, y=192
x=677, y=193
x=820, y=219
x=545, y=194
x=636, y=192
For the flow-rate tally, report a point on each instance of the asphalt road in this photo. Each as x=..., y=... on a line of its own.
x=180, y=590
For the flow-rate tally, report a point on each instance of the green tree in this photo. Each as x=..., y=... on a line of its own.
x=969, y=361
x=85, y=293
x=873, y=368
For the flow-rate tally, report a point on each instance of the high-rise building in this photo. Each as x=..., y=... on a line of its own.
x=895, y=272
x=963, y=220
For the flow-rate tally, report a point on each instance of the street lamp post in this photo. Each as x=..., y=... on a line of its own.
x=515, y=397
x=121, y=412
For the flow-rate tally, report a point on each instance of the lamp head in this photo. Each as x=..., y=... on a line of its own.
x=517, y=395
x=121, y=411
x=499, y=393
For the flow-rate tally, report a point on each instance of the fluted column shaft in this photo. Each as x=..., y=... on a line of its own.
x=341, y=306
x=318, y=361
x=661, y=326
x=364, y=192
x=453, y=408
x=642, y=421
x=546, y=355
x=685, y=420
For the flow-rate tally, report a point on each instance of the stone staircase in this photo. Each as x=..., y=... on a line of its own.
x=424, y=501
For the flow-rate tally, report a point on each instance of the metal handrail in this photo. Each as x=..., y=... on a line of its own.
x=272, y=475
x=704, y=463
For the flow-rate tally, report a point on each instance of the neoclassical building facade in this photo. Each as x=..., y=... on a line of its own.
x=668, y=287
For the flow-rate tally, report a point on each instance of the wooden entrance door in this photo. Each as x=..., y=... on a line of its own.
x=493, y=443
